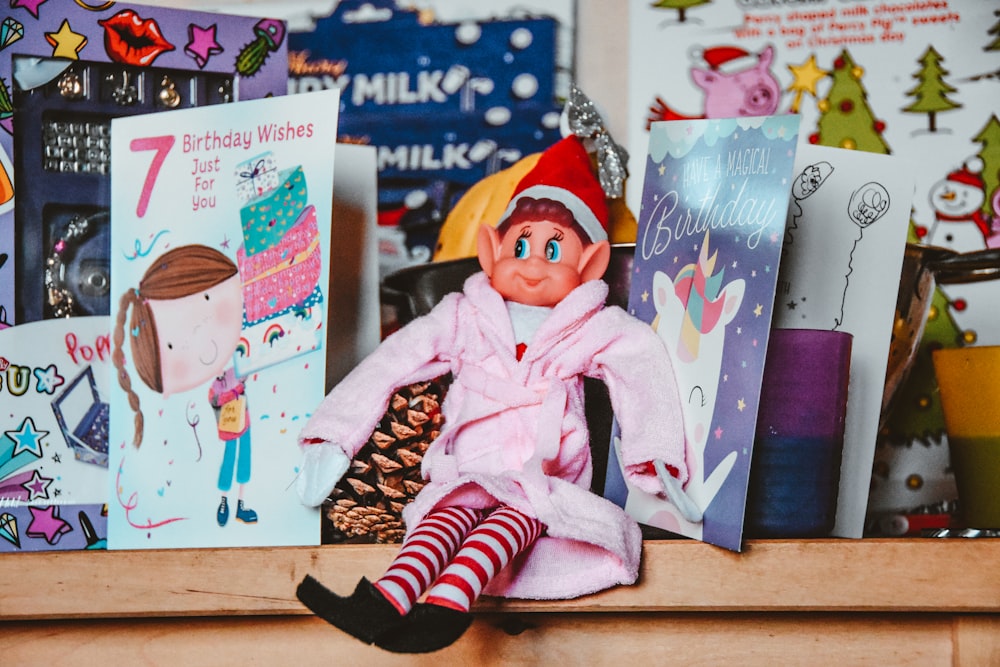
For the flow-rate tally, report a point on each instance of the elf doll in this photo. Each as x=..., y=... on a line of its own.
x=507, y=508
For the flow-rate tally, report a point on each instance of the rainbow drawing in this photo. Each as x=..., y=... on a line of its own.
x=273, y=333
x=243, y=347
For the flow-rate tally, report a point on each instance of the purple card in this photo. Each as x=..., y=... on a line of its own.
x=711, y=224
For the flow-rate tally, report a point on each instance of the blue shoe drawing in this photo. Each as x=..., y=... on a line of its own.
x=223, y=514
x=245, y=515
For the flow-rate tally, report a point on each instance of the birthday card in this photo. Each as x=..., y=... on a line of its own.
x=220, y=230
x=711, y=225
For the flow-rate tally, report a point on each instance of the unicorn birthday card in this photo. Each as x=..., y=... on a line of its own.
x=711, y=225
x=221, y=245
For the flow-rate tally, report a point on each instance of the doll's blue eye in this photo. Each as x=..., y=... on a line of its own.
x=553, y=251
x=521, y=248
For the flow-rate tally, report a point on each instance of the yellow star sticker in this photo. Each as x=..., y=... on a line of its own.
x=662, y=170
x=759, y=310
x=741, y=405
x=67, y=43
x=807, y=75
x=645, y=296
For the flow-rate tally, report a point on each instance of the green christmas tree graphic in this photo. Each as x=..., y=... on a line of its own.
x=680, y=5
x=989, y=139
x=993, y=45
x=931, y=92
x=995, y=31
x=846, y=120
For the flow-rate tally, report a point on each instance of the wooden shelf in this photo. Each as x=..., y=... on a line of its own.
x=895, y=575
x=864, y=602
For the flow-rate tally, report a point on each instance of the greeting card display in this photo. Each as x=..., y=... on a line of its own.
x=66, y=70
x=917, y=83
x=711, y=224
x=218, y=334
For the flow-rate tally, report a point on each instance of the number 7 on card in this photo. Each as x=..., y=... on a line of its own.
x=162, y=146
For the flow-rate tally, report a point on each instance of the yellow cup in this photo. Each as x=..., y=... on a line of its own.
x=969, y=381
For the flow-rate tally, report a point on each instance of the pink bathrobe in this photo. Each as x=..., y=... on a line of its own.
x=515, y=431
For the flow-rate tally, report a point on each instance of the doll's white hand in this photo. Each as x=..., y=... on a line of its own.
x=675, y=494
x=320, y=468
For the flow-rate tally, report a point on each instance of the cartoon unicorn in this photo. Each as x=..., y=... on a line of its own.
x=692, y=312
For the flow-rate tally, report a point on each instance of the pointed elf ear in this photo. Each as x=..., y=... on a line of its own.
x=594, y=261
x=488, y=248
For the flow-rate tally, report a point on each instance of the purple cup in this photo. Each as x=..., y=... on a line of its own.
x=795, y=466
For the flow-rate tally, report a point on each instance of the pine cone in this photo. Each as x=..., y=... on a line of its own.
x=367, y=504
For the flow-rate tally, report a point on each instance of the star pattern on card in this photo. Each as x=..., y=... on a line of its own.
x=30, y=5
x=758, y=311
x=27, y=438
x=741, y=405
x=37, y=487
x=47, y=380
x=67, y=43
x=202, y=44
x=806, y=76
x=45, y=522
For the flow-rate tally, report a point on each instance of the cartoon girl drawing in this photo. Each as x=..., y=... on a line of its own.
x=185, y=323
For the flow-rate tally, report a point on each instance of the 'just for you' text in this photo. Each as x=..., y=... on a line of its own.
x=204, y=169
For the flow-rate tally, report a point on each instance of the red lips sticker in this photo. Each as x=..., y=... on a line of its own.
x=132, y=40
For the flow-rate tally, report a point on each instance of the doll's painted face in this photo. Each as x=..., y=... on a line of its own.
x=538, y=263
x=198, y=334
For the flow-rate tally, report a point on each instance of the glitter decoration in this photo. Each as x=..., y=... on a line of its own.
x=586, y=123
x=58, y=295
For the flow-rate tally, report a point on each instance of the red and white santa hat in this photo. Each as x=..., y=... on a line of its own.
x=726, y=59
x=969, y=174
x=563, y=174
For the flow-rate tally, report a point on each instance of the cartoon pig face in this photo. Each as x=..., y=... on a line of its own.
x=750, y=92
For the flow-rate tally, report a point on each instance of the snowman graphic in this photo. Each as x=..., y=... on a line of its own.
x=960, y=223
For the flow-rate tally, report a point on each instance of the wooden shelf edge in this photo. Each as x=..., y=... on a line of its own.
x=898, y=575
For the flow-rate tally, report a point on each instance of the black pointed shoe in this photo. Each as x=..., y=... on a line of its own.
x=427, y=628
x=366, y=614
